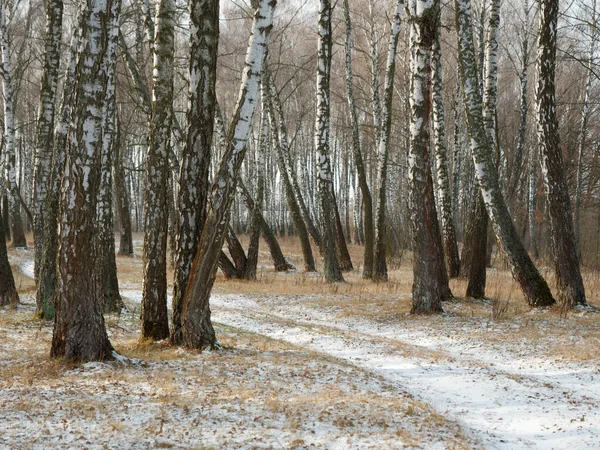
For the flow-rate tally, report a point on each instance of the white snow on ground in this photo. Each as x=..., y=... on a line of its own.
x=509, y=401
x=27, y=268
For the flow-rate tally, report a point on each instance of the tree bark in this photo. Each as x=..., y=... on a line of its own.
x=197, y=329
x=79, y=331
x=439, y=138
x=17, y=232
x=367, y=199
x=45, y=126
x=429, y=271
x=122, y=198
x=332, y=270
x=8, y=290
x=535, y=288
x=566, y=262
x=154, y=296
x=383, y=148
x=107, y=282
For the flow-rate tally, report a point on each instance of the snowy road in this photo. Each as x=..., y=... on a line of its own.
x=507, y=402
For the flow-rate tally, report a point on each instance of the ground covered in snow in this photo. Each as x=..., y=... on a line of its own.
x=307, y=364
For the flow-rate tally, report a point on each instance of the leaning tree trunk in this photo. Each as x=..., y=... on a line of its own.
x=197, y=329
x=331, y=270
x=18, y=232
x=566, y=262
x=439, y=138
x=535, y=288
x=154, y=296
x=79, y=331
x=383, y=144
x=107, y=283
x=285, y=150
x=279, y=261
x=367, y=200
x=429, y=271
x=45, y=126
x=47, y=274
x=295, y=212
x=195, y=159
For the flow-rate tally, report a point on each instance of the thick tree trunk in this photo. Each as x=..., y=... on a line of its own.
x=236, y=250
x=195, y=159
x=429, y=271
x=227, y=267
x=45, y=126
x=566, y=262
x=154, y=296
x=197, y=329
x=383, y=148
x=79, y=331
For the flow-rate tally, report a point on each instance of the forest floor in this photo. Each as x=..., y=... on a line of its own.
x=307, y=364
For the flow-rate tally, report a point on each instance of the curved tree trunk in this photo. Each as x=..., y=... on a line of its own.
x=195, y=159
x=197, y=329
x=566, y=262
x=279, y=261
x=295, y=212
x=535, y=288
x=154, y=296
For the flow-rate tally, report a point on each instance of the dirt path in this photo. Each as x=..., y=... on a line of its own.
x=510, y=400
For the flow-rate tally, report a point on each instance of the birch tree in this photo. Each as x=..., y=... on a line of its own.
x=79, y=330
x=47, y=274
x=18, y=232
x=429, y=271
x=566, y=262
x=195, y=159
x=367, y=200
x=331, y=270
x=535, y=288
x=197, y=329
x=439, y=139
x=380, y=268
x=45, y=124
x=154, y=295
x=106, y=265
x=583, y=130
